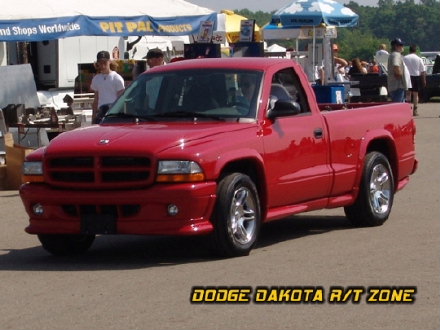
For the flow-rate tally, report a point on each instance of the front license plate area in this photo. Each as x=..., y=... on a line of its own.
x=98, y=224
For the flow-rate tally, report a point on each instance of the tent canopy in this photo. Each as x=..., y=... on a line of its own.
x=313, y=13
x=23, y=20
x=232, y=25
x=304, y=13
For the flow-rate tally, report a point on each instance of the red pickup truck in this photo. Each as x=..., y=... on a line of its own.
x=218, y=147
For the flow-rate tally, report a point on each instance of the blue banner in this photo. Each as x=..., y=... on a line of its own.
x=63, y=27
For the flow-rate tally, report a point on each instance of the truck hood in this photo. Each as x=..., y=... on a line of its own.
x=133, y=138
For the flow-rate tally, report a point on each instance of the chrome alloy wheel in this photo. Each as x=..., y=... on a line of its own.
x=380, y=189
x=242, y=220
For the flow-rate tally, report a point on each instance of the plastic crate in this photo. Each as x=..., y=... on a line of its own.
x=329, y=94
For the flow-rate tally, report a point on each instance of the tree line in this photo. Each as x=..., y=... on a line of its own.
x=414, y=23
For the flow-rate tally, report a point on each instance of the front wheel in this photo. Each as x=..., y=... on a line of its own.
x=373, y=204
x=65, y=244
x=236, y=216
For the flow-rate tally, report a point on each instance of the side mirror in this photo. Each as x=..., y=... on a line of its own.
x=283, y=108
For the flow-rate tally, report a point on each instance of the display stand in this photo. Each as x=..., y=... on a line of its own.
x=247, y=49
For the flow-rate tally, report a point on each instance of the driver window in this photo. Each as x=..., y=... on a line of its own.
x=286, y=84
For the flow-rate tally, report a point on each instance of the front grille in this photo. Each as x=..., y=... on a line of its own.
x=106, y=172
x=119, y=211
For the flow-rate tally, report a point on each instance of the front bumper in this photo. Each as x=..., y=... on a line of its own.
x=140, y=211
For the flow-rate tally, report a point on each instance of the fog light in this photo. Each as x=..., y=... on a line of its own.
x=38, y=209
x=173, y=209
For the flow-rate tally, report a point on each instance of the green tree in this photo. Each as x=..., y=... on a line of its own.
x=260, y=17
x=355, y=43
x=413, y=23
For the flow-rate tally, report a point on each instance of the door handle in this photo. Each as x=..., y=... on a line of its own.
x=318, y=133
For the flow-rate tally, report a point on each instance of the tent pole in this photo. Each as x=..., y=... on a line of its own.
x=314, y=49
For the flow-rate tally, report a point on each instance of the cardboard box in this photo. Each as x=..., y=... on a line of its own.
x=15, y=155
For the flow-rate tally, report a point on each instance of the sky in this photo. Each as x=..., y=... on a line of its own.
x=263, y=5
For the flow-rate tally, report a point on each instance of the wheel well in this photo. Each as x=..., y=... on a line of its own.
x=387, y=148
x=255, y=172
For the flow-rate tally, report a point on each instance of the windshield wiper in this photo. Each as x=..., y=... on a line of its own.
x=190, y=114
x=137, y=118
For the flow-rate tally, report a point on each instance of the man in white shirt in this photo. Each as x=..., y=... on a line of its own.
x=417, y=71
x=107, y=84
x=381, y=56
x=382, y=50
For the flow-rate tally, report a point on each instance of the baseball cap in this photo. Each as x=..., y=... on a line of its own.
x=154, y=53
x=103, y=55
x=396, y=42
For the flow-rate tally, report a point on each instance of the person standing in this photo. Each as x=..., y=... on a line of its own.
x=107, y=84
x=417, y=71
x=381, y=56
x=155, y=58
x=340, y=64
x=397, y=84
x=382, y=50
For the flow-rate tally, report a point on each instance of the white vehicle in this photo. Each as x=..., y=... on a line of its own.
x=430, y=55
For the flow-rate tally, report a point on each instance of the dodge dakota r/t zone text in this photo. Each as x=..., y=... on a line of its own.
x=218, y=147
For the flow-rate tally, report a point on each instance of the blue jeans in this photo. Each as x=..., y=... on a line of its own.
x=398, y=95
x=101, y=113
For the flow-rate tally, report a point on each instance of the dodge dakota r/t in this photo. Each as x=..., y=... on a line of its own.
x=217, y=147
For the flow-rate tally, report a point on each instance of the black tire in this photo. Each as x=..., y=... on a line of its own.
x=64, y=245
x=237, y=216
x=375, y=200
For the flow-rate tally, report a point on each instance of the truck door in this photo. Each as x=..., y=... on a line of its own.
x=296, y=148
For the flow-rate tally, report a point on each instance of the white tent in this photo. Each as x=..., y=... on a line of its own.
x=276, y=48
x=26, y=20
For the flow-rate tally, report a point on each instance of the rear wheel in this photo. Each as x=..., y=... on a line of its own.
x=65, y=244
x=237, y=216
x=373, y=204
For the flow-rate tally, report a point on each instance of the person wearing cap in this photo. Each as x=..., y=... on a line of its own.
x=155, y=58
x=107, y=84
x=417, y=71
x=397, y=82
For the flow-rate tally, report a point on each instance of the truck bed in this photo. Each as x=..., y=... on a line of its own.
x=344, y=106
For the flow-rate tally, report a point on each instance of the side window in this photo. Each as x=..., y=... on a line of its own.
x=286, y=81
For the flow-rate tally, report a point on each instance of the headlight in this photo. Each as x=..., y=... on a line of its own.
x=179, y=171
x=32, y=172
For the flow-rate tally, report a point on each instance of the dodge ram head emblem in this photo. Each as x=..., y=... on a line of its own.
x=104, y=141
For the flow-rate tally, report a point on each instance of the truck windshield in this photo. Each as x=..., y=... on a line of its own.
x=179, y=95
